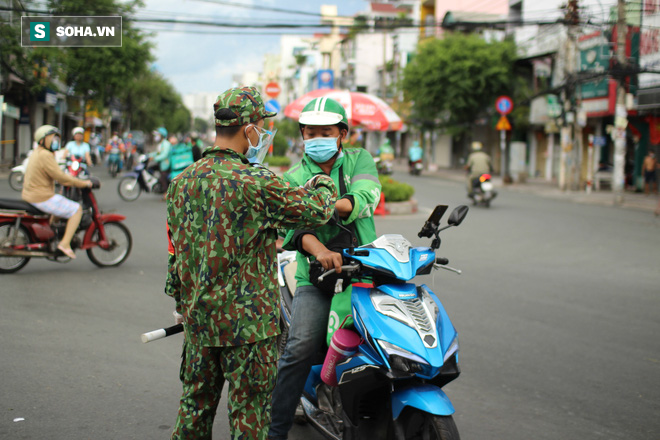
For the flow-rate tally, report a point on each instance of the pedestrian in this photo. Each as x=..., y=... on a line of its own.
x=324, y=126
x=223, y=213
x=649, y=171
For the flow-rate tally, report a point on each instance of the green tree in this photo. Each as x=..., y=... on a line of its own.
x=99, y=73
x=452, y=81
x=150, y=101
x=36, y=67
x=201, y=125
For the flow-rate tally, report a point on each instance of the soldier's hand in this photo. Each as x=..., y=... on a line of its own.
x=330, y=260
x=178, y=318
x=319, y=180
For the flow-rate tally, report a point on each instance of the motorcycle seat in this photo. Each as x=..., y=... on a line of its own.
x=20, y=205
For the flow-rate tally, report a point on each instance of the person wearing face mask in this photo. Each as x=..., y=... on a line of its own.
x=223, y=213
x=323, y=125
x=39, y=185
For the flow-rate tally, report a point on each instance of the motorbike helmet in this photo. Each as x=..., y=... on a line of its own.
x=323, y=111
x=78, y=130
x=476, y=146
x=43, y=131
x=162, y=131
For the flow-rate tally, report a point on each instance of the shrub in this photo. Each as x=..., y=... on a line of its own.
x=395, y=191
x=277, y=161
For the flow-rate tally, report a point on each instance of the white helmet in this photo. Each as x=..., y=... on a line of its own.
x=476, y=146
x=77, y=130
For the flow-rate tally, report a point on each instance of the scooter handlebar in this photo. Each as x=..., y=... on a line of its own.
x=348, y=267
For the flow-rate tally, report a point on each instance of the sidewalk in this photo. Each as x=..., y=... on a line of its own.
x=542, y=188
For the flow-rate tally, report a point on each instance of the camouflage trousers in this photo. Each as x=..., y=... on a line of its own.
x=251, y=372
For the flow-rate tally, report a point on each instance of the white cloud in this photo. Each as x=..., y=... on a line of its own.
x=203, y=62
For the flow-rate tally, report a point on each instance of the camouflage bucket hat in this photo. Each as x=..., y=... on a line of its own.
x=239, y=105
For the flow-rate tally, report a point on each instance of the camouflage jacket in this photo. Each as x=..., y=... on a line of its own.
x=223, y=214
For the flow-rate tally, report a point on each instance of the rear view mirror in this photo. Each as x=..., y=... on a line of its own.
x=457, y=215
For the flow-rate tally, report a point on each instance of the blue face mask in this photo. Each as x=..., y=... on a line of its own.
x=55, y=144
x=256, y=153
x=321, y=149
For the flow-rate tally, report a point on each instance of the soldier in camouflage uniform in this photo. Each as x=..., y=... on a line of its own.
x=222, y=215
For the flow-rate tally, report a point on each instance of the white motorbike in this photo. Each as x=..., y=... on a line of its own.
x=18, y=174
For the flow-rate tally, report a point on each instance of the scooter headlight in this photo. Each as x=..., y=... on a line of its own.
x=401, y=359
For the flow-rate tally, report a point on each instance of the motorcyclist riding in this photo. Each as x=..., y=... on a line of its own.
x=323, y=125
x=78, y=148
x=39, y=186
x=478, y=163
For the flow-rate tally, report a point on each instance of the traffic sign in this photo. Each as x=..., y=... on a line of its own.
x=273, y=106
x=273, y=89
x=503, y=124
x=504, y=105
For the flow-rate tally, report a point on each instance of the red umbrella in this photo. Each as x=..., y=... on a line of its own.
x=362, y=109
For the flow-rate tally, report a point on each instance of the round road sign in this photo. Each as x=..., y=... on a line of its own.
x=504, y=105
x=272, y=89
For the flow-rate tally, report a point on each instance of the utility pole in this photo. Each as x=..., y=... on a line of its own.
x=620, y=114
x=567, y=142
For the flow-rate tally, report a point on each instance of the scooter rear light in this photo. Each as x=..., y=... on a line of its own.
x=484, y=177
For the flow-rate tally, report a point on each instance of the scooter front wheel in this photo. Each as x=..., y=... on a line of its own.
x=16, y=180
x=422, y=425
x=129, y=188
x=10, y=264
x=121, y=243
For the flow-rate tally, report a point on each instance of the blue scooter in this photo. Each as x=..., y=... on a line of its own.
x=391, y=387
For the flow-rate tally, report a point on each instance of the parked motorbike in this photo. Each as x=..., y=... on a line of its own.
x=415, y=167
x=482, y=190
x=391, y=386
x=26, y=232
x=140, y=179
x=18, y=173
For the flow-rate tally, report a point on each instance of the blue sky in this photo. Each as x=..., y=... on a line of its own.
x=199, y=59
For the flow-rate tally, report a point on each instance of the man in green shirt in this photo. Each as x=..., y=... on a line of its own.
x=223, y=214
x=324, y=126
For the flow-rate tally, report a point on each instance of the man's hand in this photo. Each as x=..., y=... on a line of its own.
x=178, y=318
x=330, y=260
x=344, y=207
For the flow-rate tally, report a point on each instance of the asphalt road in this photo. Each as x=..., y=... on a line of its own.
x=557, y=311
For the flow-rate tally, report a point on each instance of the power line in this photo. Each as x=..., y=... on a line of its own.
x=260, y=8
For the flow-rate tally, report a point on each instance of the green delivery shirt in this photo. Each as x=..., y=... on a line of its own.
x=361, y=179
x=223, y=214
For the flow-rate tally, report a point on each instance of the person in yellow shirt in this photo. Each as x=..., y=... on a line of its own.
x=39, y=185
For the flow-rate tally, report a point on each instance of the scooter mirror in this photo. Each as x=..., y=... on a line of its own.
x=457, y=215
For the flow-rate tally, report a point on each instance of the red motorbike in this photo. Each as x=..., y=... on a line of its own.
x=26, y=232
